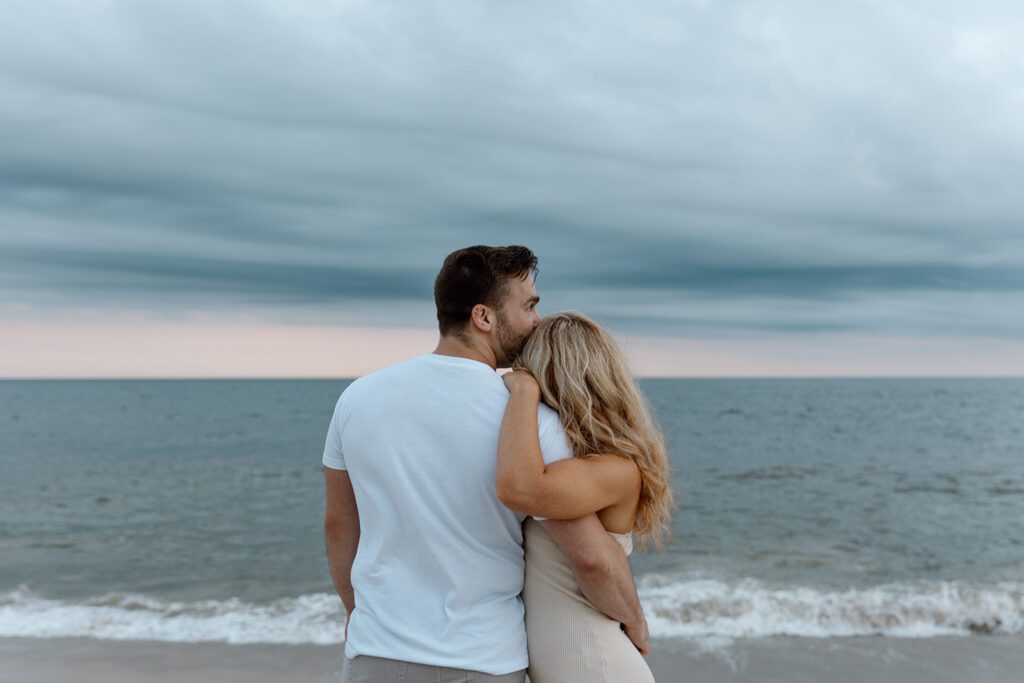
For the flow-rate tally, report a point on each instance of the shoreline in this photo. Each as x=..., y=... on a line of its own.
x=945, y=659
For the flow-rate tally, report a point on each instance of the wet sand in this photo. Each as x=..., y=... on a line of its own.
x=979, y=659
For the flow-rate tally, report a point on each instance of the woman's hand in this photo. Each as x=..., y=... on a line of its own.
x=519, y=381
x=639, y=635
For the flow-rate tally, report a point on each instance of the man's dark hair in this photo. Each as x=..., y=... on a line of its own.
x=477, y=275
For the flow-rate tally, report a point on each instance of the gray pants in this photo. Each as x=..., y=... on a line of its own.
x=363, y=669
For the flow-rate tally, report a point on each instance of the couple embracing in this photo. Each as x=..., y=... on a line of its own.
x=458, y=499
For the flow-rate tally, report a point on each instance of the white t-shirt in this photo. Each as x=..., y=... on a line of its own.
x=439, y=567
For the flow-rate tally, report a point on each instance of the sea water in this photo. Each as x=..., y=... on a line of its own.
x=192, y=510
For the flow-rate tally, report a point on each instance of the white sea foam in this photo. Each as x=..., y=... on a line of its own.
x=316, y=618
x=704, y=610
x=751, y=609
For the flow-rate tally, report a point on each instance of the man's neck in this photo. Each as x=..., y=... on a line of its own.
x=453, y=346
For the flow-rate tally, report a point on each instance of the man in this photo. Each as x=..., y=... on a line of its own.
x=409, y=464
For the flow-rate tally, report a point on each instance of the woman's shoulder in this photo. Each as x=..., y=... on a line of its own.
x=615, y=464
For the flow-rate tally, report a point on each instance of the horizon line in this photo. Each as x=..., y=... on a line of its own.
x=353, y=378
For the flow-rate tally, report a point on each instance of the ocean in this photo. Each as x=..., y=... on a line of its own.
x=191, y=510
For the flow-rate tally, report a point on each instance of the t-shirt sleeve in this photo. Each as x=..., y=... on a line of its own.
x=333, y=456
x=554, y=443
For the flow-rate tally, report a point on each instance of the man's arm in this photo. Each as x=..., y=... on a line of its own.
x=603, y=571
x=341, y=534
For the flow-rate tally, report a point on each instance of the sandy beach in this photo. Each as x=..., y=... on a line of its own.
x=783, y=660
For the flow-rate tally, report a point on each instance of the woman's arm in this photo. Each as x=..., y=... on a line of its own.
x=567, y=489
x=603, y=572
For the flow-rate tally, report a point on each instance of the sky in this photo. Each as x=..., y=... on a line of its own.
x=268, y=189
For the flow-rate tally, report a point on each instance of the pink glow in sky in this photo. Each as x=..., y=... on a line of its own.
x=209, y=349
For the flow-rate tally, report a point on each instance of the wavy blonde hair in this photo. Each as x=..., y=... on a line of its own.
x=583, y=375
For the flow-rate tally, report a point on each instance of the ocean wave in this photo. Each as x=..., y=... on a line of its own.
x=753, y=609
x=316, y=618
x=675, y=608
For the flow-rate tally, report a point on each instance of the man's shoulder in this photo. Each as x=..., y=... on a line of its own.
x=554, y=442
x=547, y=417
x=389, y=373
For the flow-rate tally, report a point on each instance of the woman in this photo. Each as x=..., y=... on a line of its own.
x=620, y=471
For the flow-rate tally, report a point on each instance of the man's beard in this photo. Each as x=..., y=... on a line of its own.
x=510, y=345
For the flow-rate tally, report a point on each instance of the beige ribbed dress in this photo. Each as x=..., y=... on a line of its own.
x=569, y=640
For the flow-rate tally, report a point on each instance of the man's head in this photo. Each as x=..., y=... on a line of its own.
x=487, y=295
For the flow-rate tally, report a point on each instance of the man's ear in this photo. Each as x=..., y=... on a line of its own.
x=481, y=317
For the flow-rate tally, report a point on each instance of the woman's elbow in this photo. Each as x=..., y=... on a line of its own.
x=590, y=563
x=513, y=496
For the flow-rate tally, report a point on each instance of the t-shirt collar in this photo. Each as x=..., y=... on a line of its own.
x=459, y=360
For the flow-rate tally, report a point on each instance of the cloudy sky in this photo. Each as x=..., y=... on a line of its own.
x=743, y=188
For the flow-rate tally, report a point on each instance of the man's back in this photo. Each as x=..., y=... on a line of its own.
x=439, y=567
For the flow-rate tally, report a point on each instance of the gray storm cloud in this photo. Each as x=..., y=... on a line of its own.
x=698, y=168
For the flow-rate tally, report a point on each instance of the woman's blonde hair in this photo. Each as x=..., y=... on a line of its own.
x=584, y=376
